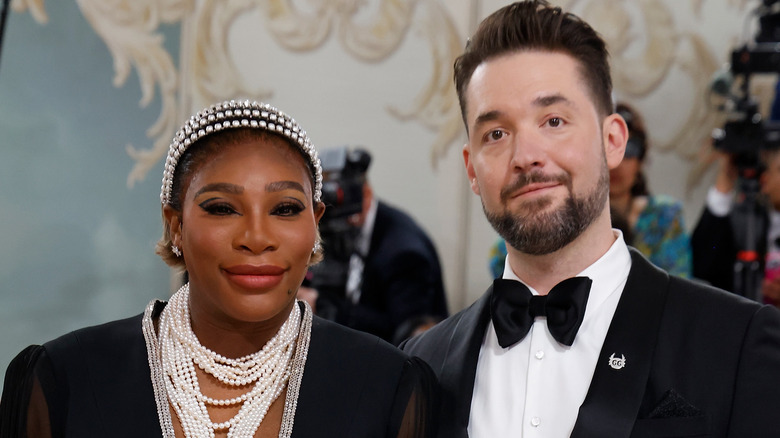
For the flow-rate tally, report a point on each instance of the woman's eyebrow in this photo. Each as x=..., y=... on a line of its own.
x=278, y=186
x=220, y=187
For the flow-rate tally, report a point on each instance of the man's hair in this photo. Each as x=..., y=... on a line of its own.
x=536, y=25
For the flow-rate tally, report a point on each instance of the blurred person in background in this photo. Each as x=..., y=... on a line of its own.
x=381, y=272
x=734, y=236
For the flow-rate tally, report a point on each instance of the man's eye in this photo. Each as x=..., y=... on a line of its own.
x=554, y=122
x=496, y=135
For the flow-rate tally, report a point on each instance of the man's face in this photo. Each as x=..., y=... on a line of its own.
x=538, y=152
x=770, y=180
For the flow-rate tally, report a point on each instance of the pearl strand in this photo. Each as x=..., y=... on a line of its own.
x=268, y=369
x=293, y=375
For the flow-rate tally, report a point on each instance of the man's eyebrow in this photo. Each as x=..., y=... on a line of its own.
x=278, y=186
x=220, y=187
x=544, y=101
x=487, y=117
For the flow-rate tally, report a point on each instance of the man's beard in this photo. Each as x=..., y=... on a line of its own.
x=543, y=233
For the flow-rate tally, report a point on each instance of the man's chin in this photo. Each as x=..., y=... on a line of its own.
x=530, y=208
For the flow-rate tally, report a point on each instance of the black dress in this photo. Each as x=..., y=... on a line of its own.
x=96, y=382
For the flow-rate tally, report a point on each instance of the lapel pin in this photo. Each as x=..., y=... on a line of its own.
x=617, y=363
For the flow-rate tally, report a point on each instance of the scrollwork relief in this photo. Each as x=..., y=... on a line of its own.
x=129, y=29
x=369, y=40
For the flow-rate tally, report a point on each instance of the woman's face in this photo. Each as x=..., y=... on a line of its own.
x=622, y=177
x=246, y=231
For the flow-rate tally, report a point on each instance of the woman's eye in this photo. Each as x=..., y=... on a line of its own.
x=554, y=122
x=288, y=209
x=218, y=209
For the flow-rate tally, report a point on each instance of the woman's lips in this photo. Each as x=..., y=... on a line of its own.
x=255, y=277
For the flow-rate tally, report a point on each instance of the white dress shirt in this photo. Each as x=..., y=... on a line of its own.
x=535, y=387
x=357, y=260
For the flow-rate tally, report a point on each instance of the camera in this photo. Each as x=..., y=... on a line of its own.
x=746, y=133
x=344, y=174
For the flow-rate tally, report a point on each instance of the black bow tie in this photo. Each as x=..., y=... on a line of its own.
x=513, y=309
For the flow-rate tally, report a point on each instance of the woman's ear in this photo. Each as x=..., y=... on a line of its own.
x=319, y=210
x=173, y=223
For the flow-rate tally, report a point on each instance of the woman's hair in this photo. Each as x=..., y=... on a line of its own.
x=245, y=121
x=637, y=144
x=536, y=25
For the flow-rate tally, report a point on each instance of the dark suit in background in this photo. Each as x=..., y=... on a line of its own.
x=717, y=239
x=402, y=278
x=699, y=362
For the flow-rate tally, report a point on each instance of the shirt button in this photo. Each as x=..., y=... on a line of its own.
x=539, y=354
x=536, y=421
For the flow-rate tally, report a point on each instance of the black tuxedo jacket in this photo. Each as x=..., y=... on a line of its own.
x=699, y=362
x=401, y=279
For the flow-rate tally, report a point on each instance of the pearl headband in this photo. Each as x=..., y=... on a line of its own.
x=232, y=114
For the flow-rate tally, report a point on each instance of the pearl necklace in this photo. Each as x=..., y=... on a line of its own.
x=172, y=360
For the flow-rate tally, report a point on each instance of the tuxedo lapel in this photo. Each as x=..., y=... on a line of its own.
x=615, y=394
x=459, y=368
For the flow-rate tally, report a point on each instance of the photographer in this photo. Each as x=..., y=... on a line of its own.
x=719, y=240
x=735, y=243
x=381, y=271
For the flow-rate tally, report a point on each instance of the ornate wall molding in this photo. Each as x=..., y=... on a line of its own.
x=372, y=40
x=129, y=29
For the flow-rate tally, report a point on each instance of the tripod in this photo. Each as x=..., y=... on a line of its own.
x=749, y=222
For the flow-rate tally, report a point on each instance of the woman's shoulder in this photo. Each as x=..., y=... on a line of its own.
x=116, y=341
x=99, y=336
x=345, y=341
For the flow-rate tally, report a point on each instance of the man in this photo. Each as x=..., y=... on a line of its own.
x=393, y=281
x=654, y=355
x=721, y=242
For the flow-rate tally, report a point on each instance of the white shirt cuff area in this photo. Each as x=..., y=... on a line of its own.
x=719, y=203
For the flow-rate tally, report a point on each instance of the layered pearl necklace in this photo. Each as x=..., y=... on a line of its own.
x=173, y=359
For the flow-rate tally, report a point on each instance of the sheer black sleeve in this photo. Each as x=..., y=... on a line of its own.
x=416, y=402
x=23, y=408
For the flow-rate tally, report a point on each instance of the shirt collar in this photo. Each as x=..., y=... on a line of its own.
x=608, y=273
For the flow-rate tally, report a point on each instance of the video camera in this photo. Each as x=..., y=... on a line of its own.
x=746, y=133
x=344, y=174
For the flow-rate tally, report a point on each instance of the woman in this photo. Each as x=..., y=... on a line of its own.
x=653, y=224
x=232, y=353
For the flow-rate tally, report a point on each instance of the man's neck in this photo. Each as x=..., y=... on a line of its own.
x=545, y=271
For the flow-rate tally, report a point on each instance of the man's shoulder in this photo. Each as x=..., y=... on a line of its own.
x=393, y=219
x=705, y=301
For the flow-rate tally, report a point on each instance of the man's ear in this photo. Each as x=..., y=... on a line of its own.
x=470, y=169
x=173, y=222
x=615, y=133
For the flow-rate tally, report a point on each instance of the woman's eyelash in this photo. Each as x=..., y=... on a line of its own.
x=217, y=208
x=288, y=209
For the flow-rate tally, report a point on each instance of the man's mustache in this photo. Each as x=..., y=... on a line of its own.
x=525, y=179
